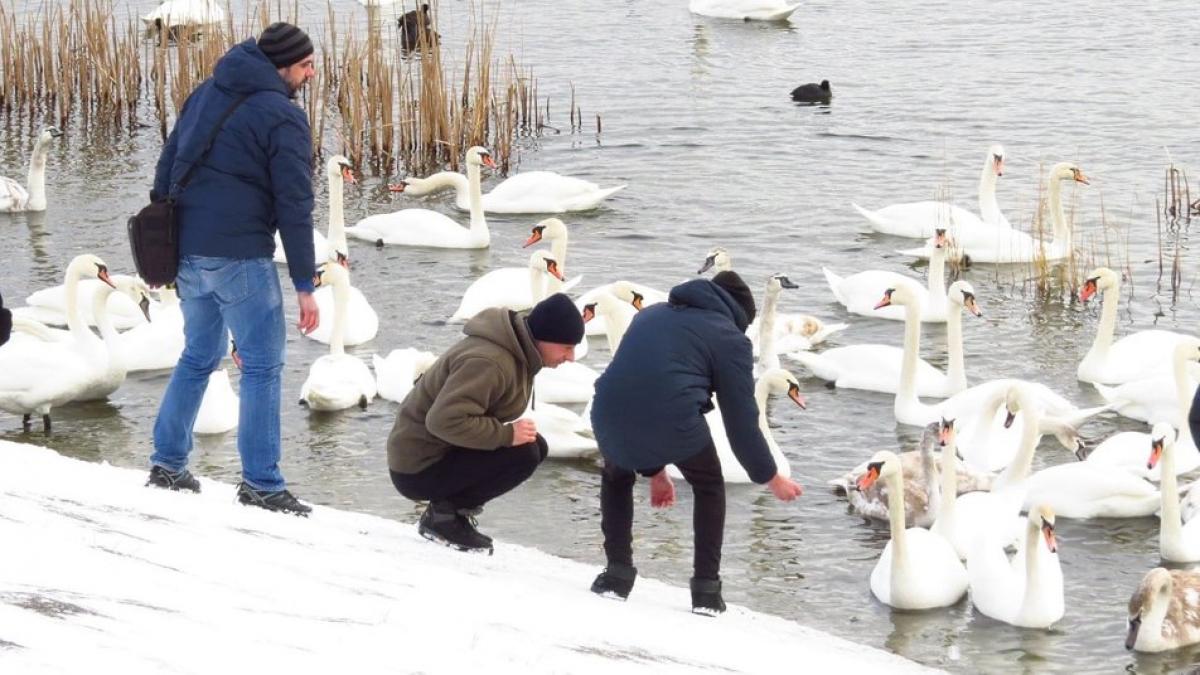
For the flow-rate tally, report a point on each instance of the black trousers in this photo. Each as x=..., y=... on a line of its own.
x=468, y=479
x=703, y=472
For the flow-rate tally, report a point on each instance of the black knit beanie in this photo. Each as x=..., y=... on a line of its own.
x=284, y=44
x=733, y=284
x=557, y=320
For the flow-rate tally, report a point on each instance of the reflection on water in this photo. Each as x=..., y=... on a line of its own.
x=698, y=120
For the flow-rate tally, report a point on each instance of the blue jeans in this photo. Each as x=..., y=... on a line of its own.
x=243, y=296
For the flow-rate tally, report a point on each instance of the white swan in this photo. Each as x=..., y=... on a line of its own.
x=527, y=192
x=860, y=292
x=1150, y=399
x=1164, y=612
x=919, y=219
x=49, y=306
x=784, y=333
x=997, y=511
x=1127, y=449
x=337, y=380
x=883, y=368
x=395, y=374
x=176, y=13
x=219, y=408
x=338, y=170
x=1134, y=356
x=918, y=569
x=744, y=10
x=554, y=230
x=717, y=260
x=566, y=433
x=155, y=345
x=320, y=248
x=13, y=197
x=36, y=376
x=1089, y=490
x=516, y=288
x=640, y=294
x=1177, y=541
x=111, y=374
x=958, y=528
x=422, y=227
x=776, y=381
x=997, y=245
x=612, y=308
x=1026, y=591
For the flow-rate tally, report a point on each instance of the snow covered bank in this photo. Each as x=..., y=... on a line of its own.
x=99, y=574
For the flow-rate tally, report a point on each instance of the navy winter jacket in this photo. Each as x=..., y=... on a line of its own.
x=258, y=177
x=650, y=402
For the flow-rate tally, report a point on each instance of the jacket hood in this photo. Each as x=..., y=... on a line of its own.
x=245, y=70
x=505, y=328
x=704, y=294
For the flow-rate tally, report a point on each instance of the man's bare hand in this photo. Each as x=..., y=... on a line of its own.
x=785, y=489
x=524, y=431
x=310, y=315
x=662, y=490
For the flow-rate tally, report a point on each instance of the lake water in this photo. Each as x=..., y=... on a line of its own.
x=697, y=120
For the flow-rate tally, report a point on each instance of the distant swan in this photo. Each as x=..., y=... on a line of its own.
x=13, y=197
x=744, y=10
x=526, y=192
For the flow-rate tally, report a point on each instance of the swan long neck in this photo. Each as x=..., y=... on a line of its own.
x=912, y=345
x=615, y=322
x=1021, y=465
x=949, y=480
x=336, y=234
x=931, y=475
x=1184, y=392
x=75, y=322
x=1108, y=321
x=447, y=179
x=937, y=275
x=957, y=370
x=1171, y=522
x=762, y=392
x=1062, y=233
x=478, y=222
x=989, y=209
x=1033, y=553
x=895, y=486
x=341, y=309
x=558, y=248
x=537, y=285
x=766, y=331
x=36, y=180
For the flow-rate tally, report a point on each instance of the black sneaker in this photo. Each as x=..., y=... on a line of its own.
x=180, y=480
x=616, y=581
x=448, y=526
x=706, y=597
x=280, y=500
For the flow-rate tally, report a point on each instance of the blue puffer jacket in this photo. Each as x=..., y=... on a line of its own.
x=650, y=402
x=258, y=177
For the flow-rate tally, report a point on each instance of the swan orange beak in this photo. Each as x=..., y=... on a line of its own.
x=887, y=299
x=343, y=259
x=397, y=187
x=489, y=162
x=998, y=165
x=102, y=275
x=535, y=237
x=637, y=301
x=589, y=312
x=868, y=479
x=1048, y=533
x=945, y=432
x=348, y=175
x=552, y=268
x=939, y=238
x=1080, y=177
x=971, y=305
x=795, y=395
x=1088, y=290
x=1156, y=450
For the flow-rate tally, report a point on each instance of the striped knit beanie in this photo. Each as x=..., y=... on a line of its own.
x=284, y=44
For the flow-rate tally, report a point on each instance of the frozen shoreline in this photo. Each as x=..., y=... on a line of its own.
x=99, y=571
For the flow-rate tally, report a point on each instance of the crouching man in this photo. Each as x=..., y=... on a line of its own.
x=452, y=443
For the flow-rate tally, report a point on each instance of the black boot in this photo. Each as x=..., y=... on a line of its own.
x=706, y=597
x=616, y=581
x=447, y=525
x=280, y=500
x=180, y=480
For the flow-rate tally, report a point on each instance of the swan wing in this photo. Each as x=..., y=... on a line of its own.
x=13, y=197
x=415, y=227
x=1086, y=490
x=505, y=287
x=337, y=382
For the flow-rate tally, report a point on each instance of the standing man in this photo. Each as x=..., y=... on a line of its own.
x=452, y=443
x=257, y=179
x=649, y=412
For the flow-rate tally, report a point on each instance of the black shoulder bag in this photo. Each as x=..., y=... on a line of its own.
x=154, y=231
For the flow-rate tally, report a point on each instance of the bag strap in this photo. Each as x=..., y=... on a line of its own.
x=208, y=144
